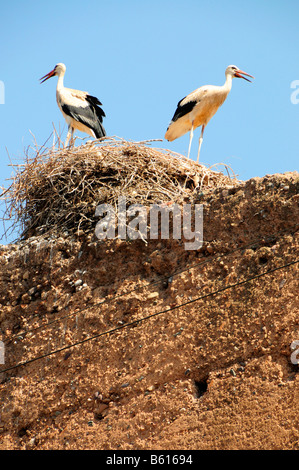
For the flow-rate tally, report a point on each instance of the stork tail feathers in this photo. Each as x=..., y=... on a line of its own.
x=99, y=131
x=178, y=128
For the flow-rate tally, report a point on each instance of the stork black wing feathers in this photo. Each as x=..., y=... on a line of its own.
x=95, y=103
x=184, y=109
x=91, y=116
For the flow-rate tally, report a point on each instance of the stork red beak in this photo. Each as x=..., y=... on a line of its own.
x=47, y=76
x=239, y=72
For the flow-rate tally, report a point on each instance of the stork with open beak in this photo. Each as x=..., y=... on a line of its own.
x=80, y=110
x=197, y=108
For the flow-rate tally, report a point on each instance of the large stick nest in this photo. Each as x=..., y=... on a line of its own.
x=58, y=190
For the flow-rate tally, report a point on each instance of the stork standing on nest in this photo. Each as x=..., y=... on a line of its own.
x=80, y=110
x=197, y=108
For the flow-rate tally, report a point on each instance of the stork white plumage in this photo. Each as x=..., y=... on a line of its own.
x=197, y=108
x=80, y=110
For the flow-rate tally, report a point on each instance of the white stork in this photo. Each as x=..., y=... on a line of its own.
x=80, y=110
x=197, y=108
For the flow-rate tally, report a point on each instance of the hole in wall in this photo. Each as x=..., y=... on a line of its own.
x=201, y=387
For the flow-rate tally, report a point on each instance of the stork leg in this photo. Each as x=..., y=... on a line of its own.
x=200, y=141
x=69, y=136
x=190, y=140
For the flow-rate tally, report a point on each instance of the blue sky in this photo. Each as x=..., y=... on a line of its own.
x=140, y=58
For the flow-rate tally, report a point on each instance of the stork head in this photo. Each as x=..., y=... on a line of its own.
x=234, y=71
x=58, y=70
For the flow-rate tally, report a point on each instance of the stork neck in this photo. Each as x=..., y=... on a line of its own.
x=228, y=82
x=60, y=81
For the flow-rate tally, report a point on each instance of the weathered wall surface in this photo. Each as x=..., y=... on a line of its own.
x=215, y=373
